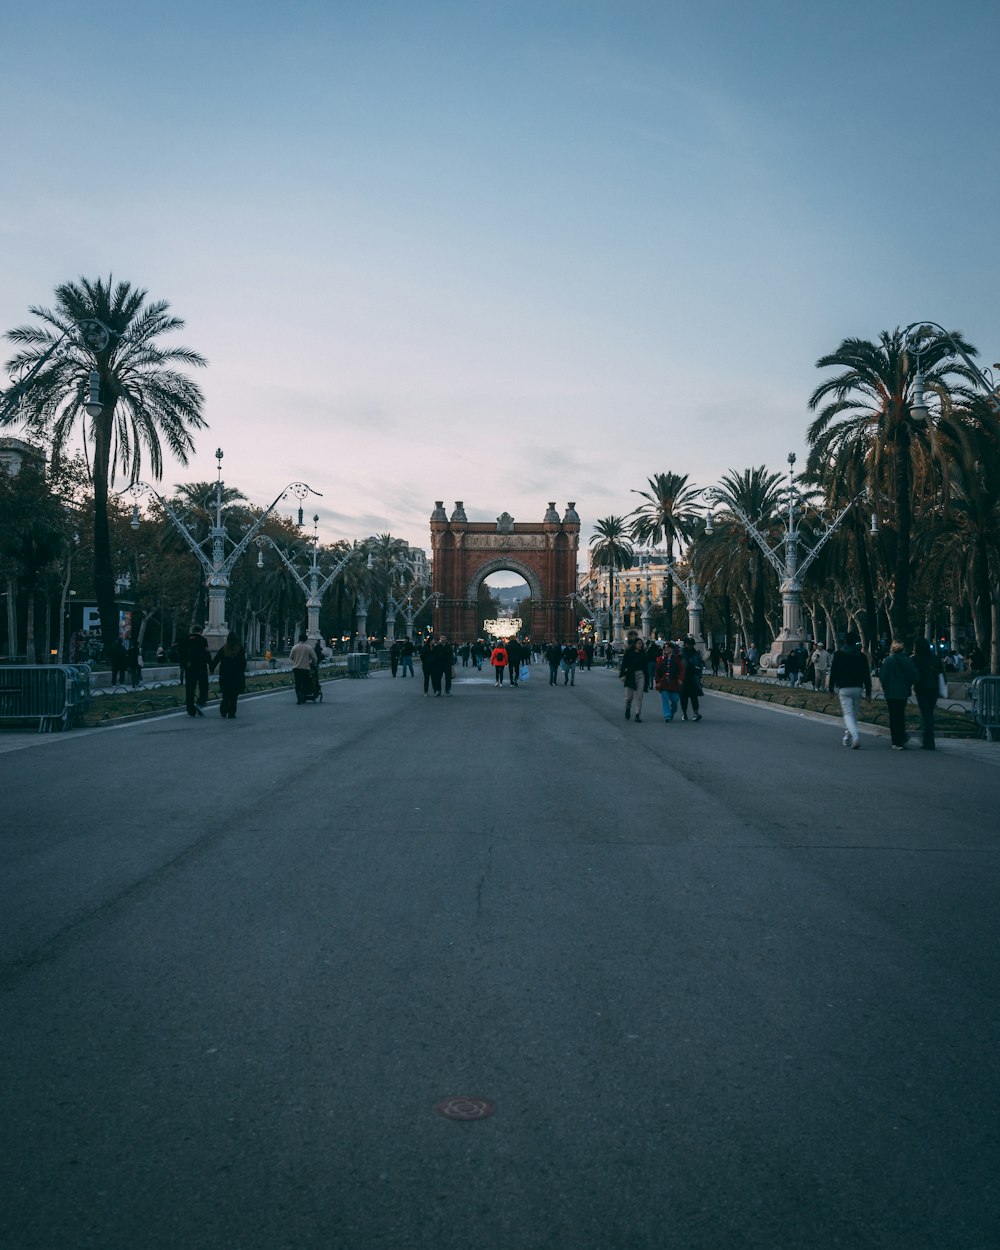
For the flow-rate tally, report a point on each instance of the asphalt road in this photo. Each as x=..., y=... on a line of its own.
x=726, y=983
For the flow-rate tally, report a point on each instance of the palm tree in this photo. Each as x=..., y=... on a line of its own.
x=668, y=515
x=390, y=570
x=964, y=530
x=145, y=401
x=870, y=405
x=758, y=495
x=611, y=550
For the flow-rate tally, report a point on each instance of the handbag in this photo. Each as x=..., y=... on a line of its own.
x=524, y=674
x=942, y=687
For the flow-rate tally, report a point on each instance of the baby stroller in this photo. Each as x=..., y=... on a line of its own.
x=315, y=694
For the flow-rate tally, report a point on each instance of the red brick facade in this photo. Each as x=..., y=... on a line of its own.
x=466, y=552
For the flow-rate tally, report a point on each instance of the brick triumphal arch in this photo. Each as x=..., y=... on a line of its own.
x=466, y=552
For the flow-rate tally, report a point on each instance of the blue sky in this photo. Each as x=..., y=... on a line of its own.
x=506, y=252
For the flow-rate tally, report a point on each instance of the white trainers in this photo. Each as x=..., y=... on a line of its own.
x=847, y=738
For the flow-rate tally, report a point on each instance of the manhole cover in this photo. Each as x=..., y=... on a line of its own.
x=465, y=1108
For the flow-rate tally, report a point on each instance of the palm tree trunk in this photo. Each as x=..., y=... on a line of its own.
x=12, y=651
x=104, y=573
x=899, y=617
x=30, y=651
x=865, y=570
x=759, y=620
x=64, y=631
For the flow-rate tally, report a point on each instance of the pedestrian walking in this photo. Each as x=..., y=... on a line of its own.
x=632, y=671
x=135, y=664
x=820, y=660
x=553, y=657
x=119, y=663
x=850, y=675
x=427, y=663
x=930, y=676
x=498, y=659
x=394, y=653
x=194, y=658
x=654, y=649
x=231, y=661
x=303, y=659
x=442, y=665
x=515, y=653
x=406, y=657
x=691, y=689
x=567, y=664
x=669, y=679
x=898, y=674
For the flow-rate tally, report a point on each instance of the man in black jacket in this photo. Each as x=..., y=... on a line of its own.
x=849, y=675
x=515, y=653
x=194, y=657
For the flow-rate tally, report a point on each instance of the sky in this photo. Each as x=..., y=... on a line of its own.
x=505, y=252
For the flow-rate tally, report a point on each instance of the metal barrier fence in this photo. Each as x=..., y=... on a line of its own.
x=54, y=695
x=985, y=694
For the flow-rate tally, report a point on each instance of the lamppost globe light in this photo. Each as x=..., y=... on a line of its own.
x=93, y=406
x=918, y=405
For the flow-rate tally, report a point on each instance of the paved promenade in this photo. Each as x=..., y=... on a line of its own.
x=726, y=984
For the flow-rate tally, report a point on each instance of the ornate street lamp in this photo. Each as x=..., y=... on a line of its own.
x=218, y=565
x=314, y=589
x=692, y=592
x=94, y=337
x=791, y=568
x=912, y=336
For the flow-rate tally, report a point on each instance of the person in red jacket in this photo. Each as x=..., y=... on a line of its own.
x=669, y=679
x=499, y=661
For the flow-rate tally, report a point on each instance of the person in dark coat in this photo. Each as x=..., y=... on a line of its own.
x=929, y=671
x=231, y=661
x=898, y=674
x=632, y=672
x=134, y=664
x=515, y=653
x=691, y=689
x=427, y=663
x=194, y=663
x=119, y=662
x=442, y=665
